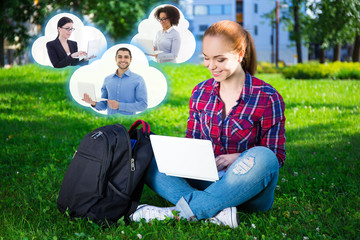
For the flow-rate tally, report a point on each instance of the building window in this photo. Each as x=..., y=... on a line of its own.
x=255, y=30
x=215, y=9
x=203, y=27
x=255, y=8
x=227, y=9
x=200, y=10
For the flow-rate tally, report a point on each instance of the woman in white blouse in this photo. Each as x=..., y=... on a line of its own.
x=167, y=40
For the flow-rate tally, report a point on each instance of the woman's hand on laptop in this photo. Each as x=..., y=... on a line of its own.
x=78, y=54
x=89, y=58
x=224, y=161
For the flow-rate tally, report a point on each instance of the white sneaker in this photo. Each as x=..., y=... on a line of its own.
x=227, y=217
x=149, y=213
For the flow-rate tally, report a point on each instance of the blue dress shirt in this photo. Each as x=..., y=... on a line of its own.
x=169, y=42
x=129, y=90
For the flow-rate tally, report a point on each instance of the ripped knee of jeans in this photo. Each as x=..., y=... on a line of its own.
x=244, y=165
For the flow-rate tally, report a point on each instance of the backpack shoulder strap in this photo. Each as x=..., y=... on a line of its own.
x=145, y=126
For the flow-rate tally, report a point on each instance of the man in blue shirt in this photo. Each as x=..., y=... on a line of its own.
x=124, y=90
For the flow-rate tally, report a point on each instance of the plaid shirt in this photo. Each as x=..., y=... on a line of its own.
x=257, y=120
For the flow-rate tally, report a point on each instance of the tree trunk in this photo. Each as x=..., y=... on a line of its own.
x=322, y=55
x=356, y=50
x=2, y=55
x=297, y=31
x=349, y=52
x=337, y=52
x=10, y=57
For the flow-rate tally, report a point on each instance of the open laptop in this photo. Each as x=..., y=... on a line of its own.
x=88, y=88
x=185, y=157
x=92, y=48
x=147, y=46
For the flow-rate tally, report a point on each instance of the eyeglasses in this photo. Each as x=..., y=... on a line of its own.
x=69, y=29
x=162, y=19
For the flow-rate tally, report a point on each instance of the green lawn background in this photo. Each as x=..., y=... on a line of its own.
x=41, y=126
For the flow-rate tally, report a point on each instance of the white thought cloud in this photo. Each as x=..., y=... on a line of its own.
x=81, y=35
x=97, y=71
x=148, y=28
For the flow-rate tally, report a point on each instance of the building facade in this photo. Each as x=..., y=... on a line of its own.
x=251, y=15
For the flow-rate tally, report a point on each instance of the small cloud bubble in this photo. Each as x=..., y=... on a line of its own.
x=82, y=35
x=148, y=28
x=97, y=71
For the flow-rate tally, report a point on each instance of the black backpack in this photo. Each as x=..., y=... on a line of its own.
x=104, y=180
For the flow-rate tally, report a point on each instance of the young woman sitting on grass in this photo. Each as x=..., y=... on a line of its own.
x=244, y=118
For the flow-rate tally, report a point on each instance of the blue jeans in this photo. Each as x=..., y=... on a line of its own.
x=249, y=183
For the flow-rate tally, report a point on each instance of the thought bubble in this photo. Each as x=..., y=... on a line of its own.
x=149, y=27
x=97, y=71
x=82, y=35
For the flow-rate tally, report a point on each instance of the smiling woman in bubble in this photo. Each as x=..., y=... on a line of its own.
x=62, y=51
x=167, y=40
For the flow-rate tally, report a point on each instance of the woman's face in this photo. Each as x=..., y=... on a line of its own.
x=66, y=30
x=164, y=21
x=222, y=61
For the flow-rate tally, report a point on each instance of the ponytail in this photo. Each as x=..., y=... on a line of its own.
x=240, y=40
x=249, y=62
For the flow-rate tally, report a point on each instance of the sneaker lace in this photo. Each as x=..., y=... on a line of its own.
x=158, y=213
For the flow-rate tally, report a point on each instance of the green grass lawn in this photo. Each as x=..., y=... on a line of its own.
x=317, y=196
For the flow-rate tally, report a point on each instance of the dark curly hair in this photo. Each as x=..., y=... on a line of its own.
x=172, y=13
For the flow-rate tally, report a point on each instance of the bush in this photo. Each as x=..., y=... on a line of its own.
x=266, y=67
x=349, y=71
x=335, y=70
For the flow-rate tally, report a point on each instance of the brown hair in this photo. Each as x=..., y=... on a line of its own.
x=123, y=49
x=240, y=40
x=172, y=13
x=62, y=21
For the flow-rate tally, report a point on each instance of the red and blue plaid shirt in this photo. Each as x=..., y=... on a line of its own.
x=256, y=120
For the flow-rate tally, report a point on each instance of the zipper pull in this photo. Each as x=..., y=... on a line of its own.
x=74, y=154
x=97, y=134
x=132, y=164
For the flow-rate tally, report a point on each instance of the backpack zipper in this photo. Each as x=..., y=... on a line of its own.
x=131, y=158
x=88, y=156
x=132, y=164
x=105, y=158
x=97, y=134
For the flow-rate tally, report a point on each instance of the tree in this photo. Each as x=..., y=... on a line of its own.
x=356, y=51
x=294, y=22
x=355, y=17
x=297, y=28
x=334, y=23
x=15, y=16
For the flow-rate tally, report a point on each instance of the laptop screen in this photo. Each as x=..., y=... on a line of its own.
x=185, y=157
